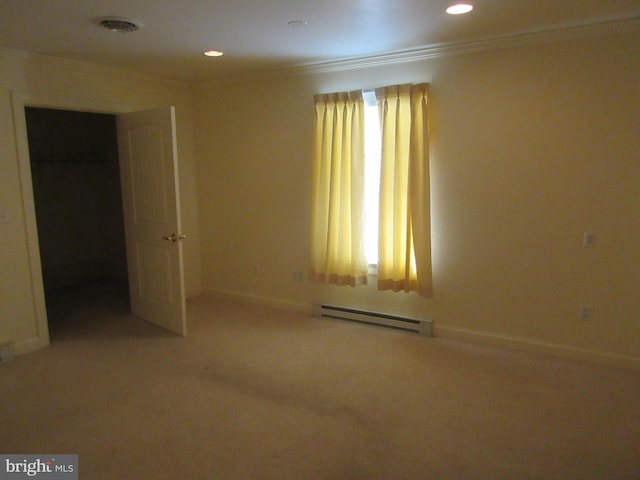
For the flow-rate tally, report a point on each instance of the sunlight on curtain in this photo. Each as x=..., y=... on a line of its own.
x=337, y=252
x=404, y=247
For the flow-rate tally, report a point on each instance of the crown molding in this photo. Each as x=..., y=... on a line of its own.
x=95, y=68
x=533, y=37
x=564, y=33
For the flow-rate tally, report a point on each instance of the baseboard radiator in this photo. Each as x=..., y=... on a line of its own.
x=422, y=327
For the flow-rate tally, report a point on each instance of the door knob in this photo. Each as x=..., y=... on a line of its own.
x=174, y=238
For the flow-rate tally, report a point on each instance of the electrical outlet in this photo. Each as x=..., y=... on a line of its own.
x=4, y=216
x=589, y=239
x=298, y=275
x=585, y=313
x=256, y=270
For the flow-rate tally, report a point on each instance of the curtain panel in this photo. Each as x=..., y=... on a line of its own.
x=337, y=190
x=404, y=257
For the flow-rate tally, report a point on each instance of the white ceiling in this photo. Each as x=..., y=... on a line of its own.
x=255, y=35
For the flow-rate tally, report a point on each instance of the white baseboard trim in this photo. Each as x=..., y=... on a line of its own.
x=535, y=346
x=303, y=308
x=493, y=339
x=30, y=345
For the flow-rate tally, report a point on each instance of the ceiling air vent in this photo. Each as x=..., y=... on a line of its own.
x=118, y=24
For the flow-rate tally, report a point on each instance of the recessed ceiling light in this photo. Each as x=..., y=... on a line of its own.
x=459, y=8
x=213, y=53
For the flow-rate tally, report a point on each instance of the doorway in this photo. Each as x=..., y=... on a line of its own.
x=170, y=312
x=78, y=205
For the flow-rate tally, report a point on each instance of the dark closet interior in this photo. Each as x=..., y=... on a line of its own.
x=76, y=188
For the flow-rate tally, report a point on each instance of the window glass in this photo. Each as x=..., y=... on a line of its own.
x=372, y=147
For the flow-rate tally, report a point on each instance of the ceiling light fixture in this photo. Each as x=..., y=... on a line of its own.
x=118, y=24
x=213, y=53
x=459, y=8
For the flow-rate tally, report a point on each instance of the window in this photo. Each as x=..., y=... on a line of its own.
x=372, y=146
x=340, y=208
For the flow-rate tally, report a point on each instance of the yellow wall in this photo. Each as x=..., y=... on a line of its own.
x=63, y=81
x=531, y=146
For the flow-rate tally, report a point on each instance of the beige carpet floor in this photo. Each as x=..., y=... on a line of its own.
x=257, y=393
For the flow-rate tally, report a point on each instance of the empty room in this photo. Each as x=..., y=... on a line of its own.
x=354, y=241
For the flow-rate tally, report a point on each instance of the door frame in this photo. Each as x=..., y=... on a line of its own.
x=19, y=102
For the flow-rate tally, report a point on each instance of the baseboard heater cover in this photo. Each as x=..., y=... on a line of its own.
x=422, y=327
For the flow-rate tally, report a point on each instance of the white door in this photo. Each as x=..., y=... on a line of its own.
x=149, y=174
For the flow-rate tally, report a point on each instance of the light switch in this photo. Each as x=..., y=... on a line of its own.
x=4, y=216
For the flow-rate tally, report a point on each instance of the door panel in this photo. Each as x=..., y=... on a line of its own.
x=149, y=171
x=156, y=263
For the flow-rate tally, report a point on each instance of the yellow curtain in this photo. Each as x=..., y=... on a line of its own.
x=404, y=258
x=337, y=188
